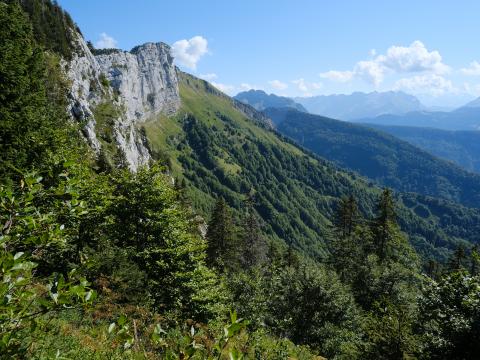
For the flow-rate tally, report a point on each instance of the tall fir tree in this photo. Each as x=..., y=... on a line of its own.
x=384, y=225
x=254, y=246
x=221, y=236
x=348, y=239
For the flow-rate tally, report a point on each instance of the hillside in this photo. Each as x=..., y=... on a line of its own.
x=381, y=157
x=360, y=105
x=460, y=147
x=220, y=152
x=260, y=100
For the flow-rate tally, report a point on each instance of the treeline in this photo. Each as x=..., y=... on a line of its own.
x=369, y=300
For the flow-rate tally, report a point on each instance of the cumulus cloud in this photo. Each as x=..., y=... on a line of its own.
x=246, y=87
x=278, y=85
x=301, y=84
x=415, y=58
x=189, y=52
x=431, y=84
x=306, y=87
x=228, y=89
x=370, y=71
x=208, y=77
x=472, y=70
x=106, y=42
x=340, y=76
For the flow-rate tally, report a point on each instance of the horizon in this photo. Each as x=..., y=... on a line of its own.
x=414, y=52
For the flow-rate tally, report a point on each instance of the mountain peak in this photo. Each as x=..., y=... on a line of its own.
x=361, y=105
x=260, y=100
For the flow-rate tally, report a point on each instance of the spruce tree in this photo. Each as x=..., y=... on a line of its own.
x=348, y=239
x=221, y=236
x=254, y=247
x=384, y=225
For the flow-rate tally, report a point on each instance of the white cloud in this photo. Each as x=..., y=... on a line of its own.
x=306, y=87
x=106, y=42
x=471, y=89
x=246, y=87
x=472, y=70
x=208, y=77
x=189, y=52
x=398, y=59
x=431, y=84
x=301, y=84
x=340, y=76
x=413, y=58
x=278, y=85
x=228, y=89
x=370, y=71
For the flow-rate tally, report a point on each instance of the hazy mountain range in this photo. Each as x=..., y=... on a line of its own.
x=361, y=105
x=260, y=100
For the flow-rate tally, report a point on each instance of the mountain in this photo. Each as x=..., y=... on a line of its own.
x=260, y=100
x=137, y=108
x=461, y=147
x=111, y=160
x=379, y=156
x=464, y=118
x=360, y=105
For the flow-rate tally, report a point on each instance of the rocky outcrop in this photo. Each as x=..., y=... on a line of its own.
x=142, y=83
x=144, y=78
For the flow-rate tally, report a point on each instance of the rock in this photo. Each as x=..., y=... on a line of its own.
x=145, y=79
x=142, y=82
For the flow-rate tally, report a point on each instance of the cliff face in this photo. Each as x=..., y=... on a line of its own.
x=139, y=84
x=145, y=79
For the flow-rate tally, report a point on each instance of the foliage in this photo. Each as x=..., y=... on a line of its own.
x=450, y=317
x=53, y=28
x=28, y=229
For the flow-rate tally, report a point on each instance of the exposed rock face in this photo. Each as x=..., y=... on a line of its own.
x=83, y=71
x=142, y=83
x=145, y=79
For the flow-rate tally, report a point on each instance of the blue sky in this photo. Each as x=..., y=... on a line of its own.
x=305, y=47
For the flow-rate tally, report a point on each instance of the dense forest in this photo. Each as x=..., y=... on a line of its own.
x=460, y=147
x=98, y=262
x=379, y=156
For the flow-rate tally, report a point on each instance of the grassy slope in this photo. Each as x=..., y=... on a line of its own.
x=296, y=192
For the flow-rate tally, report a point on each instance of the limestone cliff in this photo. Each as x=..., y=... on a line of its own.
x=141, y=83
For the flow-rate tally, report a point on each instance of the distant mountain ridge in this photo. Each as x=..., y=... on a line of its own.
x=361, y=105
x=465, y=118
x=260, y=100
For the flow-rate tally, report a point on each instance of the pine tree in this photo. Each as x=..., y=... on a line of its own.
x=254, y=247
x=349, y=239
x=457, y=261
x=347, y=217
x=384, y=225
x=221, y=236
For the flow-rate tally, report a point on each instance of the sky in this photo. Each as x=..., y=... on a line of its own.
x=305, y=47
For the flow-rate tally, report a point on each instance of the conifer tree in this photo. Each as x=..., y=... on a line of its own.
x=348, y=239
x=221, y=236
x=254, y=247
x=384, y=225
